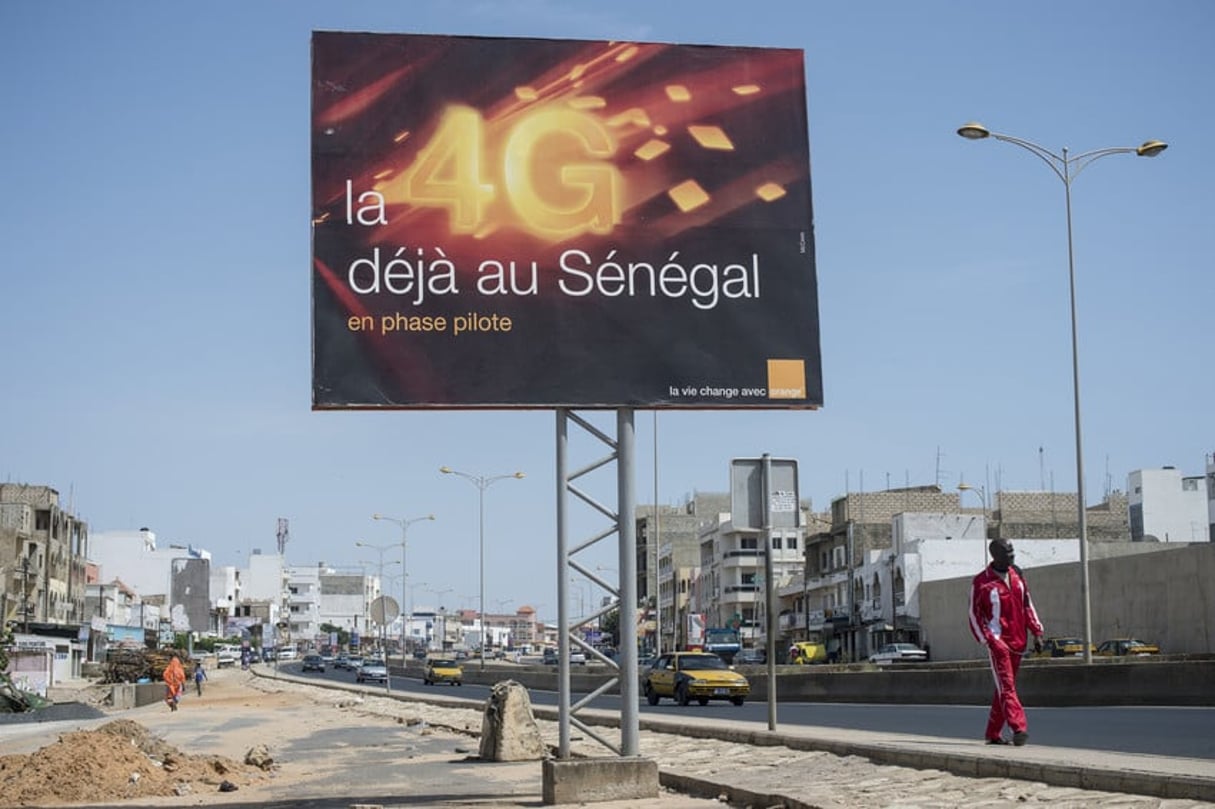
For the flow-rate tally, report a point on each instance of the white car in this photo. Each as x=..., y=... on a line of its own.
x=287, y=654
x=898, y=653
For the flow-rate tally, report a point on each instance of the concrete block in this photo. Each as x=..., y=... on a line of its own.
x=591, y=780
x=123, y=696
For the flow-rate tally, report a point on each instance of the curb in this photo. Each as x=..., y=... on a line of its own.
x=1092, y=777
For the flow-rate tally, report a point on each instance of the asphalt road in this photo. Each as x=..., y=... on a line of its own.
x=1152, y=730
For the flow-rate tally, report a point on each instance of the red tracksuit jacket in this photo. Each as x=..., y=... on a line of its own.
x=1002, y=610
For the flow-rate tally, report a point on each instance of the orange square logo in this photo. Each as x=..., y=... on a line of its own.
x=786, y=379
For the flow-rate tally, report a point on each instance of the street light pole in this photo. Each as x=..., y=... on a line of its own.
x=404, y=522
x=482, y=482
x=380, y=550
x=979, y=490
x=1067, y=168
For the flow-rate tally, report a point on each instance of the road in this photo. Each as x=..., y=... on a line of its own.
x=1151, y=730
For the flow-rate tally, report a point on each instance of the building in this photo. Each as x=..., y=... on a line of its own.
x=177, y=577
x=730, y=587
x=43, y=551
x=1164, y=506
x=671, y=532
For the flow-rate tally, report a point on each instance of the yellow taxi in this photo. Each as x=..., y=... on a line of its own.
x=443, y=670
x=1063, y=647
x=700, y=676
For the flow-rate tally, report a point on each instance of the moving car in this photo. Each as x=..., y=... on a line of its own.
x=372, y=670
x=700, y=676
x=287, y=654
x=550, y=657
x=1127, y=647
x=1061, y=647
x=898, y=653
x=314, y=663
x=443, y=670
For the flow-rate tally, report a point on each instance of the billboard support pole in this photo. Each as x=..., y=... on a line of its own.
x=563, y=642
x=630, y=742
x=624, y=526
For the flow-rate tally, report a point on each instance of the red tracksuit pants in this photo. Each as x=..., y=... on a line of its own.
x=1005, y=704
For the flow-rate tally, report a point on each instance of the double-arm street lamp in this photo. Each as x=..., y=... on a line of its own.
x=404, y=523
x=482, y=482
x=1067, y=168
x=380, y=549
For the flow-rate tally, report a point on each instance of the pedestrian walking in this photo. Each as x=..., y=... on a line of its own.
x=200, y=674
x=1002, y=616
x=175, y=682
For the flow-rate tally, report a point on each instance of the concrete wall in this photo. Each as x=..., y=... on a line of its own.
x=1045, y=682
x=1166, y=597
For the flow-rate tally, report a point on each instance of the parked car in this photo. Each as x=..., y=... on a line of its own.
x=700, y=676
x=577, y=656
x=1061, y=647
x=287, y=654
x=314, y=663
x=443, y=670
x=1127, y=647
x=354, y=662
x=898, y=653
x=226, y=654
x=805, y=653
x=372, y=670
x=550, y=657
x=750, y=657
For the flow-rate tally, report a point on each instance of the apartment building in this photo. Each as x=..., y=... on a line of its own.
x=43, y=551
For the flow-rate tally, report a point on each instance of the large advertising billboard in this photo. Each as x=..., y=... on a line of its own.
x=527, y=223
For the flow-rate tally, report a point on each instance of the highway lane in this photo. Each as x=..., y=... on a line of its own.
x=1150, y=730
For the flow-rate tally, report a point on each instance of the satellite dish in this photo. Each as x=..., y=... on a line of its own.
x=384, y=610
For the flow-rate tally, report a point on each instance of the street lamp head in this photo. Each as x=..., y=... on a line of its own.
x=446, y=470
x=1151, y=148
x=975, y=131
x=361, y=544
x=429, y=517
x=520, y=475
x=377, y=516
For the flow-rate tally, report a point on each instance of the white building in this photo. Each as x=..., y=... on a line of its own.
x=731, y=585
x=177, y=576
x=304, y=603
x=1166, y=507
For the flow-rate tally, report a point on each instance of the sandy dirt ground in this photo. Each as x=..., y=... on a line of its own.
x=326, y=748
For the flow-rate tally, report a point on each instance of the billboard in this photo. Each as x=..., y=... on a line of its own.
x=526, y=223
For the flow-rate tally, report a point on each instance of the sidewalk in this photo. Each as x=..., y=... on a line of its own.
x=346, y=759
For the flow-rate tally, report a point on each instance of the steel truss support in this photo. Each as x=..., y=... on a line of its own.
x=621, y=452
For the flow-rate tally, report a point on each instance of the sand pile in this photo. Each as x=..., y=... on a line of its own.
x=116, y=761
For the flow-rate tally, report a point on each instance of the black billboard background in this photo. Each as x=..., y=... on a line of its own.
x=563, y=350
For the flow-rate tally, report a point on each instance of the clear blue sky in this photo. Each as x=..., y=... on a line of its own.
x=155, y=315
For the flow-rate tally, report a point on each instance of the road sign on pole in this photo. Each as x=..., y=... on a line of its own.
x=747, y=494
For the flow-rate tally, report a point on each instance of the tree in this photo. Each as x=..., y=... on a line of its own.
x=343, y=636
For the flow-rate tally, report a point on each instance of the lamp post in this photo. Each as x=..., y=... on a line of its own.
x=982, y=493
x=380, y=575
x=482, y=482
x=1067, y=168
x=404, y=523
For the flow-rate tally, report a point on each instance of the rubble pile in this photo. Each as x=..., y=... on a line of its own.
x=117, y=761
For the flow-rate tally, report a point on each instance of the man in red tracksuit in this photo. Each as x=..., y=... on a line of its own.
x=1001, y=617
